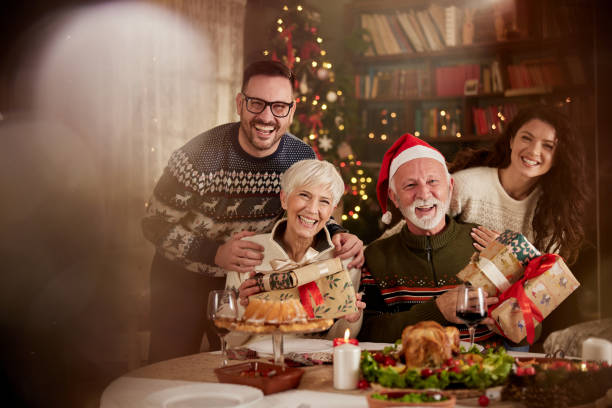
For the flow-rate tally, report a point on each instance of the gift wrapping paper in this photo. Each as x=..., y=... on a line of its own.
x=545, y=291
x=500, y=264
x=327, y=278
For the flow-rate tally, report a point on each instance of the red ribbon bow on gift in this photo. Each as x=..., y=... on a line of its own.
x=535, y=268
x=312, y=289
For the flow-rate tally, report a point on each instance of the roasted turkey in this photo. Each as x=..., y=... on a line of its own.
x=429, y=344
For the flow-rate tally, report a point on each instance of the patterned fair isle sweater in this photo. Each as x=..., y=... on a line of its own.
x=212, y=189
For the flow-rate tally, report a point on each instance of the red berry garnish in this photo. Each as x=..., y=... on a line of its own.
x=363, y=384
x=483, y=401
x=426, y=372
x=379, y=357
x=389, y=361
x=530, y=370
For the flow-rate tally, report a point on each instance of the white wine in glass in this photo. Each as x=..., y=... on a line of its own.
x=222, y=308
x=471, y=308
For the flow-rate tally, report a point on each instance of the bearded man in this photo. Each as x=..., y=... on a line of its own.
x=410, y=276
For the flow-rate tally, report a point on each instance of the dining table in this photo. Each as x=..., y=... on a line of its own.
x=191, y=381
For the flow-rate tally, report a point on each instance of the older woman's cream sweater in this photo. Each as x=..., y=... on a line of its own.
x=323, y=249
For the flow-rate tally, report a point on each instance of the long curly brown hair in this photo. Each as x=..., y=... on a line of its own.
x=559, y=214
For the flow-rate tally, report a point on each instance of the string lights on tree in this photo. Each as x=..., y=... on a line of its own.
x=326, y=110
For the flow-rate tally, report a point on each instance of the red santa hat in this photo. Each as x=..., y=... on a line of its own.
x=406, y=148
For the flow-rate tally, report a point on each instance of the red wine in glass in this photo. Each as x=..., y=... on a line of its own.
x=471, y=307
x=471, y=318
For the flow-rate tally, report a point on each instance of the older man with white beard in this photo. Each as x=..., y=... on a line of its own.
x=408, y=277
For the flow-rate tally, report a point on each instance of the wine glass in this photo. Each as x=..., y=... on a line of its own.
x=222, y=310
x=471, y=308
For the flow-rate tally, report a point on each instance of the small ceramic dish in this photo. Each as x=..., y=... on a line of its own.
x=394, y=397
x=267, y=377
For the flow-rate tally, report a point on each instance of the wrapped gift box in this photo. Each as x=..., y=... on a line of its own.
x=500, y=264
x=324, y=288
x=544, y=292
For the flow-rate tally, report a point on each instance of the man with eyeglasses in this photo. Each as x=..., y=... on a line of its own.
x=221, y=186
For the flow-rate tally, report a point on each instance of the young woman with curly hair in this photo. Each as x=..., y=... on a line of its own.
x=532, y=181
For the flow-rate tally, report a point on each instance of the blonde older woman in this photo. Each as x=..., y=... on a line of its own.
x=310, y=190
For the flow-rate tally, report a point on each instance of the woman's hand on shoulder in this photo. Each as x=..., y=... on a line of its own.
x=353, y=317
x=349, y=246
x=483, y=237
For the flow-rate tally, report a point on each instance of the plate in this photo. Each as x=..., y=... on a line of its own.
x=293, y=345
x=205, y=395
x=283, y=379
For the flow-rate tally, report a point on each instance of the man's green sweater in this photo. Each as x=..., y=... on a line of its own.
x=404, y=273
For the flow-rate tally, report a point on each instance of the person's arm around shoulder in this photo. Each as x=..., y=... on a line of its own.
x=347, y=246
x=239, y=254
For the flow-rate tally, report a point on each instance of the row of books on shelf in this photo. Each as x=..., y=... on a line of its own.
x=546, y=73
x=438, y=121
x=455, y=80
x=492, y=119
x=432, y=29
x=524, y=77
x=396, y=83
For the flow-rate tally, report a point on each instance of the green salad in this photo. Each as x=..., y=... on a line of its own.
x=411, y=397
x=471, y=369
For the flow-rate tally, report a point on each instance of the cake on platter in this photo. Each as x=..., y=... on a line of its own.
x=267, y=316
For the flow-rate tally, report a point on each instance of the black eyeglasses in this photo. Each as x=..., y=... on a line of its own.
x=278, y=109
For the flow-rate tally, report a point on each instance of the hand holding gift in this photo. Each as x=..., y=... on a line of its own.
x=324, y=288
x=547, y=282
x=529, y=286
x=500, y=264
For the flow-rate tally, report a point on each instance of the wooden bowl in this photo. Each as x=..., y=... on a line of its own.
x=377, y=403
x=282, y=379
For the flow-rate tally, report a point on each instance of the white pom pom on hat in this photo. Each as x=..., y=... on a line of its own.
x=406, y=148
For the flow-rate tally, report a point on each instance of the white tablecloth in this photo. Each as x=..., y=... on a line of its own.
x=131, y=392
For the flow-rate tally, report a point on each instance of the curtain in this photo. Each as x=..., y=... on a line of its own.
x=115, y=88
x=135, y=81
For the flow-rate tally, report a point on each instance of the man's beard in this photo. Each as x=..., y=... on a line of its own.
x=256, y=143
x=427, y=222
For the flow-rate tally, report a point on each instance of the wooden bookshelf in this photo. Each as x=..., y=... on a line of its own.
x=538, y=59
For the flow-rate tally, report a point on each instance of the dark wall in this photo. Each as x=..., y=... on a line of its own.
x=604, y=149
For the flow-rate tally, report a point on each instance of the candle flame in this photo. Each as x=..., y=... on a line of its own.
x=347, y=335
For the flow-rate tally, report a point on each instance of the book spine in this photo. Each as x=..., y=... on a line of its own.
x=410, y=31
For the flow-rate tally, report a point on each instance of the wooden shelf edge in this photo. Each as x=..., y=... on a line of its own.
x=467, y=51
x=508, y=93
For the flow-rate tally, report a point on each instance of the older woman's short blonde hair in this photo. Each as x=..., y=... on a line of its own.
x=313, y=173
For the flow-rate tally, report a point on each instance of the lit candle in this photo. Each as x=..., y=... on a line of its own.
x=347, y=355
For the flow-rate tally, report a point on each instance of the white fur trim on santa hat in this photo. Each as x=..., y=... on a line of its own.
x=386, y=218
x=415, y=152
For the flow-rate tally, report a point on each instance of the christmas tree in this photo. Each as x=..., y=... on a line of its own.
x=326, y=111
